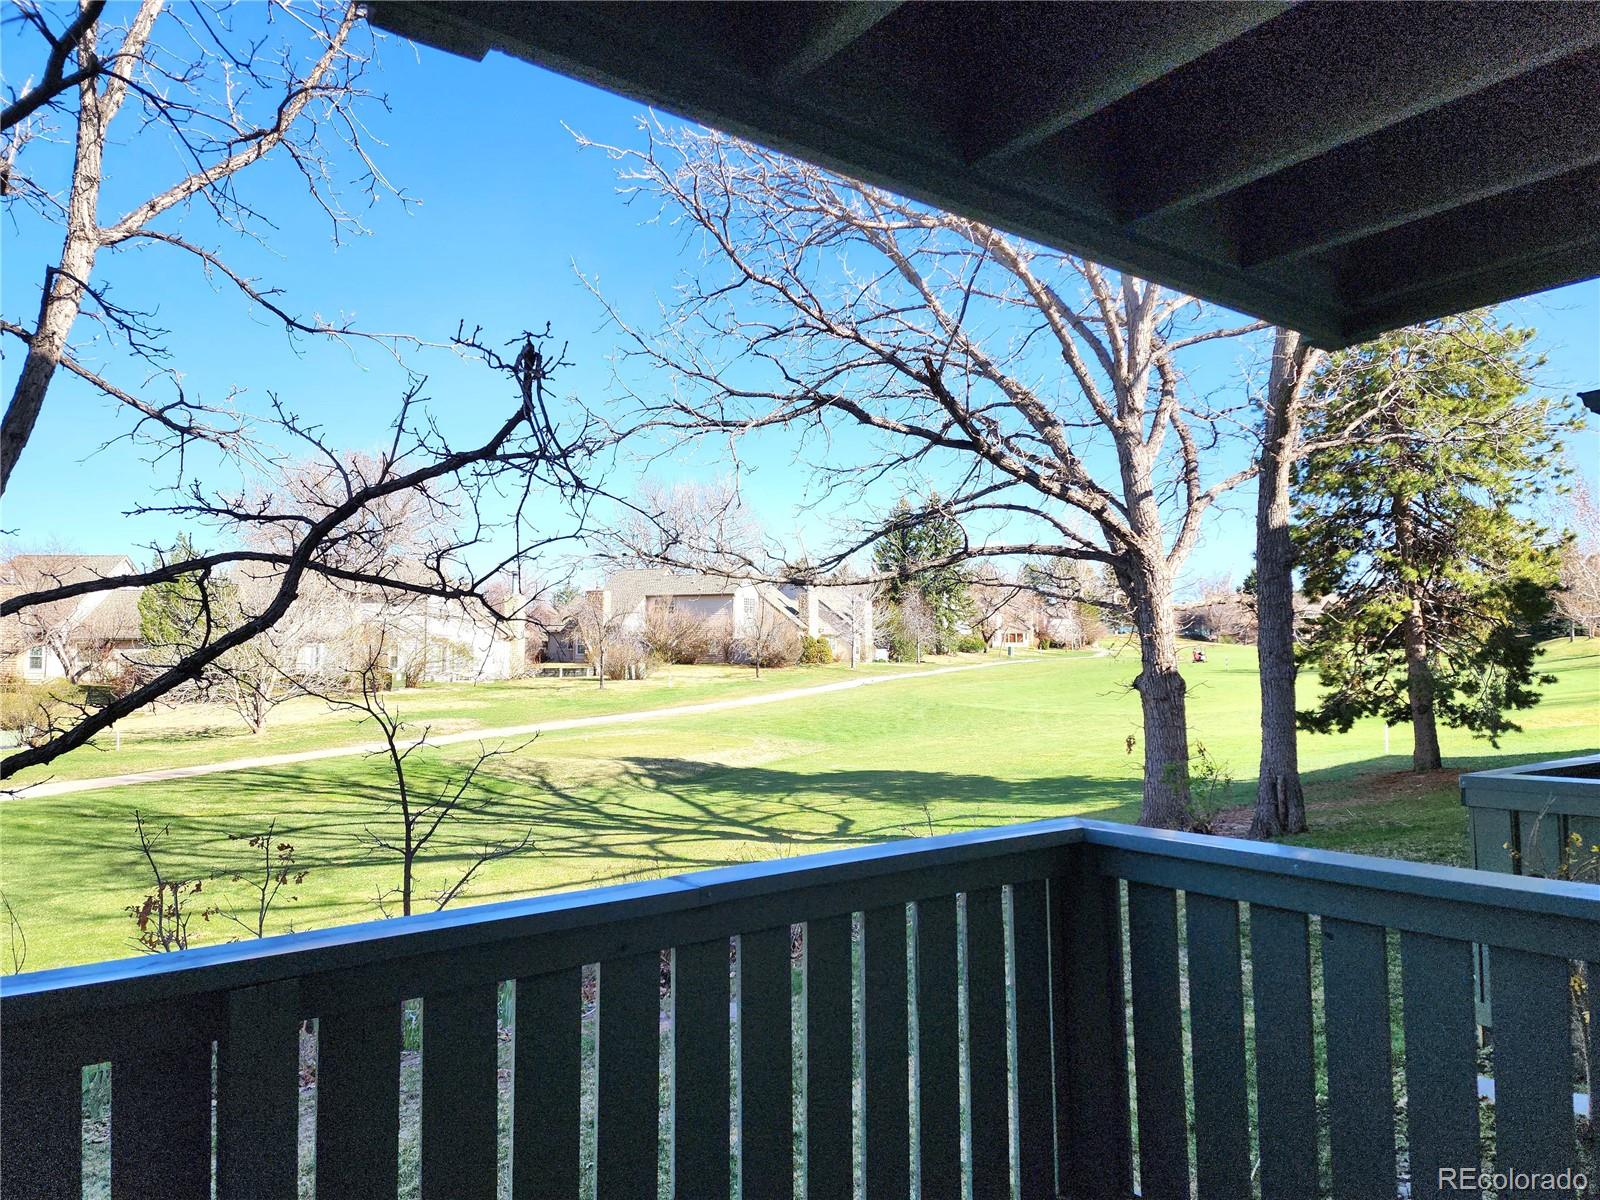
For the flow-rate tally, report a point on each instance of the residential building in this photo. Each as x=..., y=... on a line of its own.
x=426, y=638
x=742, y=608
x=82, y=638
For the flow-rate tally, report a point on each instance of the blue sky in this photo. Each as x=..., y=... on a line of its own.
x=507, y=212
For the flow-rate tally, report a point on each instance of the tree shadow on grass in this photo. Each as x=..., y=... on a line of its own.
x=622, y=819
x=631, y=817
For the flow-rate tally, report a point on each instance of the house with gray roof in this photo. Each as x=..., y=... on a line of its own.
x=839, y=613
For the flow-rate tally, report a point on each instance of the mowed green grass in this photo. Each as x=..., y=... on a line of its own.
x=184, y=735
x=1022, y=741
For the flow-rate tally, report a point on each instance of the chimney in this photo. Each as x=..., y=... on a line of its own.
x=809, y=610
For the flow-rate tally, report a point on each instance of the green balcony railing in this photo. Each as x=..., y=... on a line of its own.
x=1536, y=819
x=1070, y=1008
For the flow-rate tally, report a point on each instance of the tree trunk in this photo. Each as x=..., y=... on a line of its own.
x=1419, y=673
x=1419, y=684
x=1161, y=695
x=405, y=880
x=64, y=285
x=1280, y=799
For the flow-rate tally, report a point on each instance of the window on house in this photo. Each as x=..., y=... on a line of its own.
x=36, y=658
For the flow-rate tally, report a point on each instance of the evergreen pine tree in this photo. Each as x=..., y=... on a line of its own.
x=918, y=536
x=1433, y=580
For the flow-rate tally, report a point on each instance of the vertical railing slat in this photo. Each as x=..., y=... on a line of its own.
x=1158, y=1043
x=1492, y=844
x=1541, y=843
x=460, y=1094
x=1355, y=973
x=988, y=1034
x=1216, y=1018
x=161, y=1121
x=700, y=1071
x=41, y=1116
x=1441, y=1059
x=1592, y=1022
x=1286, y=1075
x=1492, y=841
x=1093, y=1139
x=628, y=1112
x=828, y=1076
x=358, y=1103
x=938, y=1048
x=886, y=1053
x=766, y=1065
x=547, y=1097
x=258, y=1094
x=1533, y=1119
x=1030, y=950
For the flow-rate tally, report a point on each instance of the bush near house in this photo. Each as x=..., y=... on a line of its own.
x=777, y=649
x=972, y=644
x=628, y=659
x=902, y=647
x=27, y=709
x=815, y=651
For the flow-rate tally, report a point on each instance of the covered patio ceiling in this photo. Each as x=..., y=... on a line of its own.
x=1341, y=168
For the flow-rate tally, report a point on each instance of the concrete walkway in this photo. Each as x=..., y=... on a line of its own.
x=67, y=786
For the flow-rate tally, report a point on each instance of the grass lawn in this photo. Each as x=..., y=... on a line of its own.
x=1026, y=740
x=188, y=734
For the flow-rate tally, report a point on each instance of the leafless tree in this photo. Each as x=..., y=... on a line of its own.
x=290, y=658
x=16, y=937
x=214, y=90
x=1579, y=598
x=706, y=524
x=482, y=490
x=206, y=92
x=272, y=869
x=991, y=595
x=674, y=635
x=914, y=619
x=163, y=917
x=601, y=632
x=767, y=639
x=418, y=814
x=1011, y=373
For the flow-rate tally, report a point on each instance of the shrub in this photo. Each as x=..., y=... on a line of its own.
x=902, y=647
x=720, y=644
x=29, y=710
x=1210, y=789
x=815, y=651
x=778, y=649
x=628, y=660
x=972, y=644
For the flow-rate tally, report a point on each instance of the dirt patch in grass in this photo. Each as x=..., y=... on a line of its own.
x=1385, y=788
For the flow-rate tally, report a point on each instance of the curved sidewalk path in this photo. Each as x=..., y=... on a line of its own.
x=66, y=786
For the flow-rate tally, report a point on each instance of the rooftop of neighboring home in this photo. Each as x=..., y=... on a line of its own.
x=112, y=615
x=33, y=571
x=631, y=588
